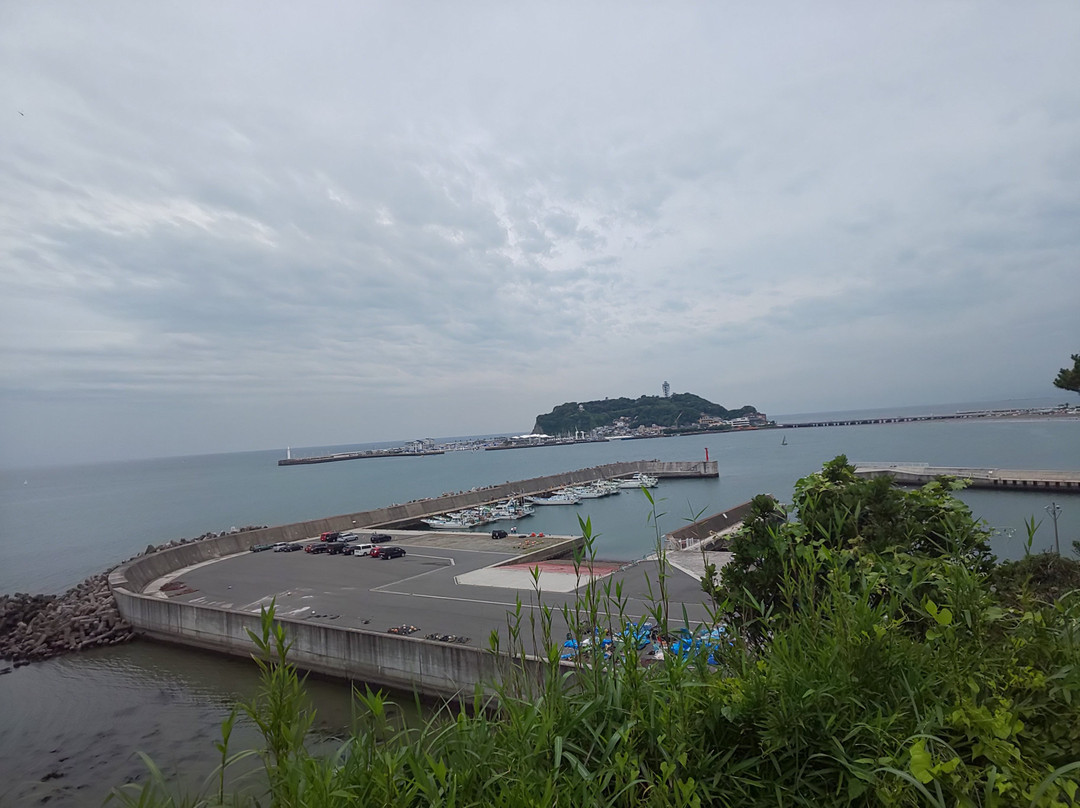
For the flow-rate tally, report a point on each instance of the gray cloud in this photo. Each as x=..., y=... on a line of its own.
x=384, y=221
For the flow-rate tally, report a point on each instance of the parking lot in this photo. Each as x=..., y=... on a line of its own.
x=425, y=588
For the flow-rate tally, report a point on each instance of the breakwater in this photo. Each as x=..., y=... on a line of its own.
x=1015, y=479
x=706, y=533
x=964, y=415
x=428, y=667
x=410, y=513
x=334, y=458
x=37, y=627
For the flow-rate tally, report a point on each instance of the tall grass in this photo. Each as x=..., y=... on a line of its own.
x=893, y=681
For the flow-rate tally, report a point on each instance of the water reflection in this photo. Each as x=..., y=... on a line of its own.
x=73, y=726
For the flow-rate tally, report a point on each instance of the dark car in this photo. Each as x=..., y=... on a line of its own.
x=287, y=547
x=391, y=552
x=317, y=548
x=499, y=534
x=337, y=548
x=260, y=548
x=330, y=535
x=380, y=537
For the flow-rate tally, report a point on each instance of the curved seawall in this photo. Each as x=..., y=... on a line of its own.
x=428, y=667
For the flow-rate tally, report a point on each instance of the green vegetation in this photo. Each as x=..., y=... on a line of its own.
x=678, y=409
x=867, y=526
x=876, y=658
x=1069, y=378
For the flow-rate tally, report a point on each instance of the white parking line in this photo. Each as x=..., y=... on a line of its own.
x=418, y=575
x=155, y=587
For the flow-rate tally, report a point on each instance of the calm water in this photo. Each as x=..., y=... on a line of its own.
x=71, y=727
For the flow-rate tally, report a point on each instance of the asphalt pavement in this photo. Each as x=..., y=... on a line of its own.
x=420, y=589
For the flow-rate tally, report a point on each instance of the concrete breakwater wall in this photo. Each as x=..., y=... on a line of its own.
x=139, y=572
x=412, y=511
x=431, y=668
x=708, y=530
x=1020, y=479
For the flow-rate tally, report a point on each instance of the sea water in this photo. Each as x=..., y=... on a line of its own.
x=71, y=726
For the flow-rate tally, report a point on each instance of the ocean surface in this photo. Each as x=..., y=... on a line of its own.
x=71, y=727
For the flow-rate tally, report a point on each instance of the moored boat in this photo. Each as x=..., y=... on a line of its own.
x=559, y=498
x=638, y=481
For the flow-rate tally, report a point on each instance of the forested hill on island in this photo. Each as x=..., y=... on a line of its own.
x=677, y=411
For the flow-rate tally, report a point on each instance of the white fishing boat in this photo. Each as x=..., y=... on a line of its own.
x=558, y=498
x=450, y=522
x=511, y=509
x=638, y=481
x=585, y=492
x=594, y=490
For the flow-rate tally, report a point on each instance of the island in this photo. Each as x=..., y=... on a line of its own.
x=645, y=416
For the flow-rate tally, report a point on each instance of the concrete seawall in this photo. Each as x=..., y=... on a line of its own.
x=706, y=531
x=428, y=667
x=410, y=512
x=1018, y=479
x=431, y=668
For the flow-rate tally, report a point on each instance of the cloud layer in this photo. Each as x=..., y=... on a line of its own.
x=250, y=226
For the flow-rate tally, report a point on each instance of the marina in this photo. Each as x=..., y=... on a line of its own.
x=75, y=723
x=209, y=594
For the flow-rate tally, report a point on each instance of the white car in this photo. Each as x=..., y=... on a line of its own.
x=363, y=549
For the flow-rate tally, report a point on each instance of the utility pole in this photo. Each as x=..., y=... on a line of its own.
x=1054, y=509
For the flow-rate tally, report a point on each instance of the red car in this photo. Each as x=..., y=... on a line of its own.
x=317, y=548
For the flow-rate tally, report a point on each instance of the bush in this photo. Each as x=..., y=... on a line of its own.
x=884, y=671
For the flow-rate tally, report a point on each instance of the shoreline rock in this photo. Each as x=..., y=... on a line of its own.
x=39, y=627
x=34, y=628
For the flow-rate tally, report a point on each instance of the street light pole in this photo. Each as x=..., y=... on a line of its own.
x=1054, y=509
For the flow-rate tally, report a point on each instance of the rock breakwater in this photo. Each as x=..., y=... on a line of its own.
x=37, y=627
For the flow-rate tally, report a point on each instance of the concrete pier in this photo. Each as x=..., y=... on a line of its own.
x=411, y=513
x=706, y=532
x=1014, y=479
x=216, y=587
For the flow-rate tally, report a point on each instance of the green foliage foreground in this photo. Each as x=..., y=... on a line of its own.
x=882, y=669
x=1069, y=378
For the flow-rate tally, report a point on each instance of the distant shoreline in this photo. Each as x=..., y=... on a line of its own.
x=1026, y=414
x=1035, y=414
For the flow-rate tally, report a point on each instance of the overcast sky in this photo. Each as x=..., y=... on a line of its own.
x=229, y=226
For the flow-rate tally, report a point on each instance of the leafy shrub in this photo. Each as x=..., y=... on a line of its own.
x=884, y=670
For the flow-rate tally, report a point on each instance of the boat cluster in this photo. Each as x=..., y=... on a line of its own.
x=506, y=510
x=519, y=508
x=573, y=494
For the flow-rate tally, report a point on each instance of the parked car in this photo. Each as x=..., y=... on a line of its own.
x=499, y=534
x=336, y=547
x=259, y=548
x=348, y=537
x=376, y=538
x=317, y=548
x=286, y=547
x=330, y=535
x=363, y=549
x=387, y=553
